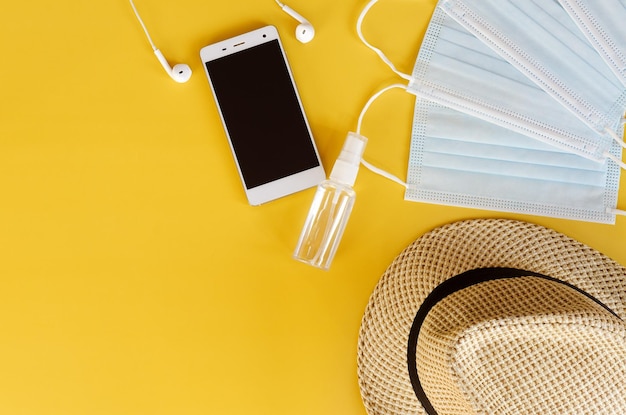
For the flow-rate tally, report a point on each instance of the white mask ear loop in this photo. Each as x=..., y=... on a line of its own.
x=380, y=54
x=369, y=166
x=614, y=135
x=395, y=179
x=375, y=49
x=616, y=211
x=621, y=142
x=618, y=162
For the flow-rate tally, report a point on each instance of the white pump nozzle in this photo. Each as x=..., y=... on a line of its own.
x=346, y=167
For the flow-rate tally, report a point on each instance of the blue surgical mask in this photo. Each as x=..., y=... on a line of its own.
x=463, y=157
x=539, y=38
x=602, y=23
x=460, y=160
x=456, y=69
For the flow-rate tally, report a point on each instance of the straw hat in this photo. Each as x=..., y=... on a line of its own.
x=495, y=317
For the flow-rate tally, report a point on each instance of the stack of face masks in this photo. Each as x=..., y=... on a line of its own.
x=520, y=107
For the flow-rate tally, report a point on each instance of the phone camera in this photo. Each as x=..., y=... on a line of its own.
x=264, y=35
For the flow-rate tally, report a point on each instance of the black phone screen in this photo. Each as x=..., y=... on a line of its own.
x=262, y=114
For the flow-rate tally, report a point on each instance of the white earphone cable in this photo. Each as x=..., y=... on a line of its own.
x=369, y=166
x=280, y=4
x=375, y=49
x=143, y=25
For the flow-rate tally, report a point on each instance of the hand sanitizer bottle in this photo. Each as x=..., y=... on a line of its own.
x=331, y=207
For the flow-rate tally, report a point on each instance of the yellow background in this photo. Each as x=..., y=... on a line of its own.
x=134, y=277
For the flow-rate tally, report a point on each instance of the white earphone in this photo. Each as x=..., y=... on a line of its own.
x=180, y=72
x=305, y=31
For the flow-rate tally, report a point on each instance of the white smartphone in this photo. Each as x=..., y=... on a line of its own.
x=262, y=114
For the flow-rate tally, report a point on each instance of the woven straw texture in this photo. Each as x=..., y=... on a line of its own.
x=525, y=345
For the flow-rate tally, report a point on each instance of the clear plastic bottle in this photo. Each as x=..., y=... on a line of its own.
x=331, y=207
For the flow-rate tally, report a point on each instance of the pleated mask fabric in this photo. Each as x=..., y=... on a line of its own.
x=456, y=69
x=542, y=41
x=459, y=159
x=602, y=23
x=487, y=136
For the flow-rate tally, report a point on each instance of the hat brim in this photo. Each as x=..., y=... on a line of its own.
x=450, y=251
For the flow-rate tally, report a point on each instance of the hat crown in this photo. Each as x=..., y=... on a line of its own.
x=522, y=345
x=561, y=331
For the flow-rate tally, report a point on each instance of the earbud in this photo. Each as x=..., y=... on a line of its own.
x=305, y=31
x=180, y=72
